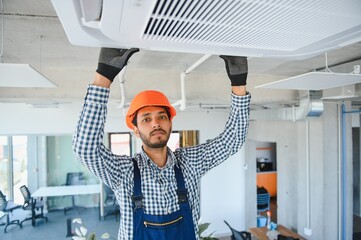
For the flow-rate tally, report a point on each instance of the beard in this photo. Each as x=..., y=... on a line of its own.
x=159, y=143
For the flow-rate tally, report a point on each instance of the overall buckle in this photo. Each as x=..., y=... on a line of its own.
x=182, y=195
x=138, y=202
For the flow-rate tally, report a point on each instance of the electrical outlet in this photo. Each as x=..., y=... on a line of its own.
x=245, y=166
x=307, y=231
x=356, y=69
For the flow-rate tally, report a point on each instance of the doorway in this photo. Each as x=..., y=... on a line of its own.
x=266, y=173
x=259, y=174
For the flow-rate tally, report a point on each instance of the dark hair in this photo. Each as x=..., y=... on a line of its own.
x=134, y=121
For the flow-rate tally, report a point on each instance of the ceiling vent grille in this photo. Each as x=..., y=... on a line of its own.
x=277, y=25
x=247, y=27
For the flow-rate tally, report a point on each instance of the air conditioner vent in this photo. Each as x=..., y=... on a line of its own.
x=277, y=25
x=279, y=28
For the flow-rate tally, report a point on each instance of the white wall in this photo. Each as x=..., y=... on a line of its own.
x=222, y=189
x=37, y=170
x=19, y=118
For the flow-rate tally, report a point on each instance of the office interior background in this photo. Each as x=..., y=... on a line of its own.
x=315, y=150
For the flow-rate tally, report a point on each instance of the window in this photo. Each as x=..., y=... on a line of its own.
x=4, y=166
x=13, y=166
x=120, y=143
x=20, y=166
x=173, y=142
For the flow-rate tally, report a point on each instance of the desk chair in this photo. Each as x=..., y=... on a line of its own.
x=8, y=207
x=31, y=204
x=111, y=203
x=238, y=235
x=263, y=202
x=74, y=178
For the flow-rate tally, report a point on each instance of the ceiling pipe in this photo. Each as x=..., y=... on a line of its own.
x=196, y=64
x=182, y=102
x=122, y=87
x=308, y=230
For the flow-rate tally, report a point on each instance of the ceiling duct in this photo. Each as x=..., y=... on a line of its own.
x=340, y=93
x=310, y=105
x=297, y=29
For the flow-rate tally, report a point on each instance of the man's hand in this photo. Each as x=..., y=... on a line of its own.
x=237, y=69
x=111, y=61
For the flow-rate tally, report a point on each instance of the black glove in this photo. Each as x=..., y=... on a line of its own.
x=237, y=69
x=111, y=61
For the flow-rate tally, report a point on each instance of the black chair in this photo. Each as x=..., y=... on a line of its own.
x=238, y=235
x=8, y=207
x=282, y=237
x=31, y=204
x=74, y=178
x=110, y=203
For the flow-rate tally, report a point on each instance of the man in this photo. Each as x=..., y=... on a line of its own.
x=157, y=190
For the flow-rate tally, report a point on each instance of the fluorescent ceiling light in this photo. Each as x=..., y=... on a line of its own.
x=314, y=81
x=22, y=75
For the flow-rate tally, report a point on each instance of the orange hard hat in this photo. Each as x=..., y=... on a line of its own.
x=145, y=99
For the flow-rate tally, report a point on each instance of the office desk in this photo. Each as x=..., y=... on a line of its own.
x=56, y=191
x=260, y=233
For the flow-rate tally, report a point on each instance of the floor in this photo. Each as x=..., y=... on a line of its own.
x=56, y=227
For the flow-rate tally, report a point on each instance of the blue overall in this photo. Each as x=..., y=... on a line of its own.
x=174, y=226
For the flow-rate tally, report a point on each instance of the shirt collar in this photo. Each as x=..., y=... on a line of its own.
x=148, y=162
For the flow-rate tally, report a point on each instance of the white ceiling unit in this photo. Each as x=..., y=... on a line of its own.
x=22, y=76
x=259, y=28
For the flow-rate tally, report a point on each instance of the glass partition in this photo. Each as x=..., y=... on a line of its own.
x=20, y=166
x=13, y=166
x=4, y=166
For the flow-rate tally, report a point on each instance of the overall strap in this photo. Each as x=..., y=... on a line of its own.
x=181, y=189
x=137, y=194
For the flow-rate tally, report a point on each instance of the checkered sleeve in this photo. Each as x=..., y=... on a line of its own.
x=205, y=156
x=88, y=138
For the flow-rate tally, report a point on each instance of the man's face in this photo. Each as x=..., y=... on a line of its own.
x=154, y=126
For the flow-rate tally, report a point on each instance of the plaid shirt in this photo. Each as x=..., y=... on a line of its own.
x=158, y=184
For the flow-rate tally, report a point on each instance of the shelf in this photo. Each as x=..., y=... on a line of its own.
x=264, y=148
x=269, y=171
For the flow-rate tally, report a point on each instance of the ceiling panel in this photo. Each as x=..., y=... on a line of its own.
x=22, y=75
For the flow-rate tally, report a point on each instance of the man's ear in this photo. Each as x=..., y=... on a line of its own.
x=136, y=131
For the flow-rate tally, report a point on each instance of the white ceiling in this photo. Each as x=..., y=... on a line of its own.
x=34, y=35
